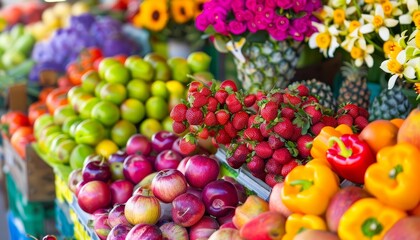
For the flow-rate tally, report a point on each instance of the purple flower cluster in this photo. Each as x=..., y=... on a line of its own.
x=280, y=18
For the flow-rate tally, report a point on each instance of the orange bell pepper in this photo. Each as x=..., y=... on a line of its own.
x=320, y=144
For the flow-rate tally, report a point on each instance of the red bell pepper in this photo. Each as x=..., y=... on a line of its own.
x=349, y=157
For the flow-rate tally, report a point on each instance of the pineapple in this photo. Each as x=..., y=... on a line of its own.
x=321, y=90
x=390, y=104
x=354, y=88
x=268, y=65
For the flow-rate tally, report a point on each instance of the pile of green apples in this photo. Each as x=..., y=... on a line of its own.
x=117, y=100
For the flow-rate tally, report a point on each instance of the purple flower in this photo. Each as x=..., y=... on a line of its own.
x=313, y=5
x=281, y=22
x=271, y=4
x=238, y=5
x=221, y=27
x=244, y=16
x=251, y=4
x=252, y=26
x=278, y=35
x=268, y=14
x=299, y=5
x=236, y=27
x=201, y=22
x=259, y=8
x=285, y=4
x=260, y=22
x=216, y=14
x=227, y=4
x=296, y=35
x=301, y=24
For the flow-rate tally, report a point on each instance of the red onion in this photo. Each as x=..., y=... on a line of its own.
x=220, y=197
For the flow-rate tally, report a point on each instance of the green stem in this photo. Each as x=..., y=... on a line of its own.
x=374, y=45
x=305, y=184
x=344, y=151
x=371, y=227
x=356, y=4
x=395, y=171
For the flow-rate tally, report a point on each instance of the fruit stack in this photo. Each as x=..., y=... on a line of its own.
x=184, y=199
x=270, y=132
x=117, y=100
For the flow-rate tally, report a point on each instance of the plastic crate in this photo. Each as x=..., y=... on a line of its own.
x=62, y=191
x=63, y=221
x=35, y=218
x=16, y=228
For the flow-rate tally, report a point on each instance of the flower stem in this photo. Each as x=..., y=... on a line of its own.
x=374, y=45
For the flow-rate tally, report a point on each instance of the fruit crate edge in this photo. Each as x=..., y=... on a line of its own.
x=82, y=219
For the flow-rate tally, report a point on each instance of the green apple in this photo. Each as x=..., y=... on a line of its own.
x=85, y=110
x=122, y=131
x=106, y=112
x=149, y=127
x=129, y=61
x=154, y=57
x=42, y=122
x=68, y=122
x=73, y=93
x=79, y=100
x=132, y=110
x=179, y=69
x=79, y=154
x=117, y=73
x=105, y=64
x=73, y=127
x=17, y=31
x=159, y=89
x=167, y=124
x=90, y=132
x=162, y=71
x=138, y=89
x=157, y=108
x=53, y=148
x=62, y=113
x=64, y=150
x=141, y=69
x=199, y=61
x=98, y=88
x=90, y=80
x=114, y=92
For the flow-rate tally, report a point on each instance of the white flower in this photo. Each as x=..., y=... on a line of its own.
x=392, y=8
x=325, y=39
x=399, y=68
x=412, y=6
x=378, y=23
x=361, y=55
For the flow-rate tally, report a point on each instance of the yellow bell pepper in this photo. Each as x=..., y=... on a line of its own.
x=395, y=178
x=320, y=144
x=368, y=219
x=297, y=223
x=309, y=189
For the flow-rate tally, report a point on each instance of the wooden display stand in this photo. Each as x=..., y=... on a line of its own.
x=33, y=177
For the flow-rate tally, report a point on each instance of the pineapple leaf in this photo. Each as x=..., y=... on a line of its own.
x=259, y=37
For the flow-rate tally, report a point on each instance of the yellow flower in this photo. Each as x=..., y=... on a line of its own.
x=339, y=16
x=391, y=49
x=417, y=88
x=354, y=25
x=198, y=8
x=153, y=14
x=182, y=10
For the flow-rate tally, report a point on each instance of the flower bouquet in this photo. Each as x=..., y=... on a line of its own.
x=265, y=37
x=370, y=31
x=170, y=20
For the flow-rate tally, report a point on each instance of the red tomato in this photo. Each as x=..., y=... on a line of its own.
x=13, y=120
x=121, y=58
x=22, y=137
x=44, y=93
x=56, y=98
x=35, y=110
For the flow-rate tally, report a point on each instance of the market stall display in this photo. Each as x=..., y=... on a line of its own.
x=126, y=143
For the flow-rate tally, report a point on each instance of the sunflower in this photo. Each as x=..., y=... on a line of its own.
x=198, y=8
x=182, y=10
x=153, y=15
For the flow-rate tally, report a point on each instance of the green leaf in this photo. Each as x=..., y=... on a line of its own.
x=258, y=37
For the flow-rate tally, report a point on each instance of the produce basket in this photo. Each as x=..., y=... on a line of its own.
x=63, y=222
